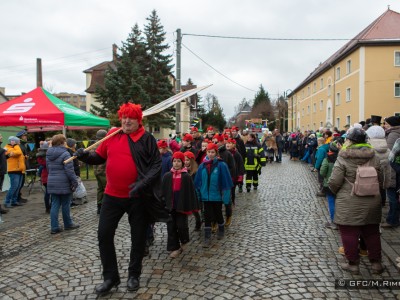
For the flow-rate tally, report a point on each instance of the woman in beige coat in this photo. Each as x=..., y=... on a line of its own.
x=357, y=216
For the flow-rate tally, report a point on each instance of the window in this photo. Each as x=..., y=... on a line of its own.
x=308, y=91
x=348, y=66
x=348, y=94
x=348, y=119
x=397, y=89
x=337, y=73
x=308, y=109
x=321, y=105
x=329, y=113
x=314, y=87
x=337, y=100
x=329, y=89
x=338, y=122
x=397, y=58
x=321, y=124
x=315, y=107
x=302, y=112
x=322, y=84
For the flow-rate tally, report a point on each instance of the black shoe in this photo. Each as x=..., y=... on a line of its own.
x=133, y=284
x=106, y=286
x=3, y=211
x=56, y=231
x=255, y=188
x=146, y=251
x=248, y=190
x=240, y=189
x=16, y=204
x=72, y=227
x=47, y=210
x=98, y=209
x=22, y=200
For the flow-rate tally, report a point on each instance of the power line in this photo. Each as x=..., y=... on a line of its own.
x=217, y=70
x=263, y=38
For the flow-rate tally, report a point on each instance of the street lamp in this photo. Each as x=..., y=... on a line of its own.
x=285, y=94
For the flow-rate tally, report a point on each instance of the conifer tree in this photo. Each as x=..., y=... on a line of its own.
x=158, y=85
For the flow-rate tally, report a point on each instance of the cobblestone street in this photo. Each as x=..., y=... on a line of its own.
x=276, y=248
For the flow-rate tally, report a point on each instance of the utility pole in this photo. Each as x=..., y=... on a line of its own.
x=178, y=78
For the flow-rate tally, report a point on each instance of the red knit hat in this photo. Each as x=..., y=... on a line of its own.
x=162, y=144
x=226, y=137
x=231, y=141
x=178, y=155
x=194, y=129
x=189, y=154
x=235, y=128
x=212, y=146
x=130, y=110
x=219, y=137
x=188, y=137
x=210, y=128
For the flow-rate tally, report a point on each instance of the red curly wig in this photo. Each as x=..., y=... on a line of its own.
x=130, y=110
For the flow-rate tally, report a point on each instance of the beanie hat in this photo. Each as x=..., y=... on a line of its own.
x=219, y=137
x=188, y=137
x=13, y=139
x=179, y=155
x=376, y=132
x=393, y=121
x=231, y=141
x=71, y=142
x=194, y=129
x=101, y=134
x=44, y=146
x=189, y=154
x=210, y=128
x=333, y=148
x=235, y=128
x=212, y=146
x=162, y=144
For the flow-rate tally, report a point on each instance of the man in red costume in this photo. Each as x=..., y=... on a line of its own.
x=133, y=170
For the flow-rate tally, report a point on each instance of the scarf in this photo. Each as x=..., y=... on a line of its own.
x=177, y=179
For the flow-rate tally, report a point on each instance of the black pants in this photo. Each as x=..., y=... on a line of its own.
x=178, y=231
x=213, y=213
x=251, y=178
x=112, y=210
x=20, y=187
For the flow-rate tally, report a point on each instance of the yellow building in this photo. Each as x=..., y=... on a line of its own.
x=361, y=79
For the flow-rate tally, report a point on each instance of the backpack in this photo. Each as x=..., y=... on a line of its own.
x=366, y=183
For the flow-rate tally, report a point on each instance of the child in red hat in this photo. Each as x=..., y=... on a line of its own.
x=192, y=167
x=180, y=198
x=213, y=184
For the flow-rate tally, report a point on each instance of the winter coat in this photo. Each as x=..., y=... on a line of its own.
x=326, y=170
x=351, y=209
x=77, y=168
x=99, y=170
x=185, y=200
x=62, y=178
x=239, y=166
x=16, y=162
x=227, y=157
x=240, y=146
x=280, y=141
x=320, y=155
x=44, y=174
x=166, y=165
x=270, y=143
x=214, y=184
x=382, y=153
x=3, y=162
x=392, y=134
x=255, y=156
x=201, y=155
x=191, y=149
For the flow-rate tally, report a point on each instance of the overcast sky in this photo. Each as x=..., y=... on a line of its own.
x=71, y=36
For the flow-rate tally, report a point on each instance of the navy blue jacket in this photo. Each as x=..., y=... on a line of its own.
x=61, y=176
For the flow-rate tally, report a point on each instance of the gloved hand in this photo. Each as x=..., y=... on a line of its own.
x=259, y=171
x=81, y=153
x=135, y=188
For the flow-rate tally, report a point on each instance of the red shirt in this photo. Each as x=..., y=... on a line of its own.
x=120, y=168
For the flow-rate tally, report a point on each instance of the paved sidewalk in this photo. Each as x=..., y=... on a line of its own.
x=276, y=248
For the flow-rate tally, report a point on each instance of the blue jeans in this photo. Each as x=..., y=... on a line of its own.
x=394, y=207
x=12, y=194
x=331, y=204
x=307, y=156
x=65, y=202
x=279, y=157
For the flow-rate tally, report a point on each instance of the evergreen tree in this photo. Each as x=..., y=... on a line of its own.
x=157, y=84
x=213, y=113
x=125, y=82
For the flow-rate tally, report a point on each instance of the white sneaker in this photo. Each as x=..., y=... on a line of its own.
x=175, y=254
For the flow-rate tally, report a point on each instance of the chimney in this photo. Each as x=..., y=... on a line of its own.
x=39, y=79
x=114, y=50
